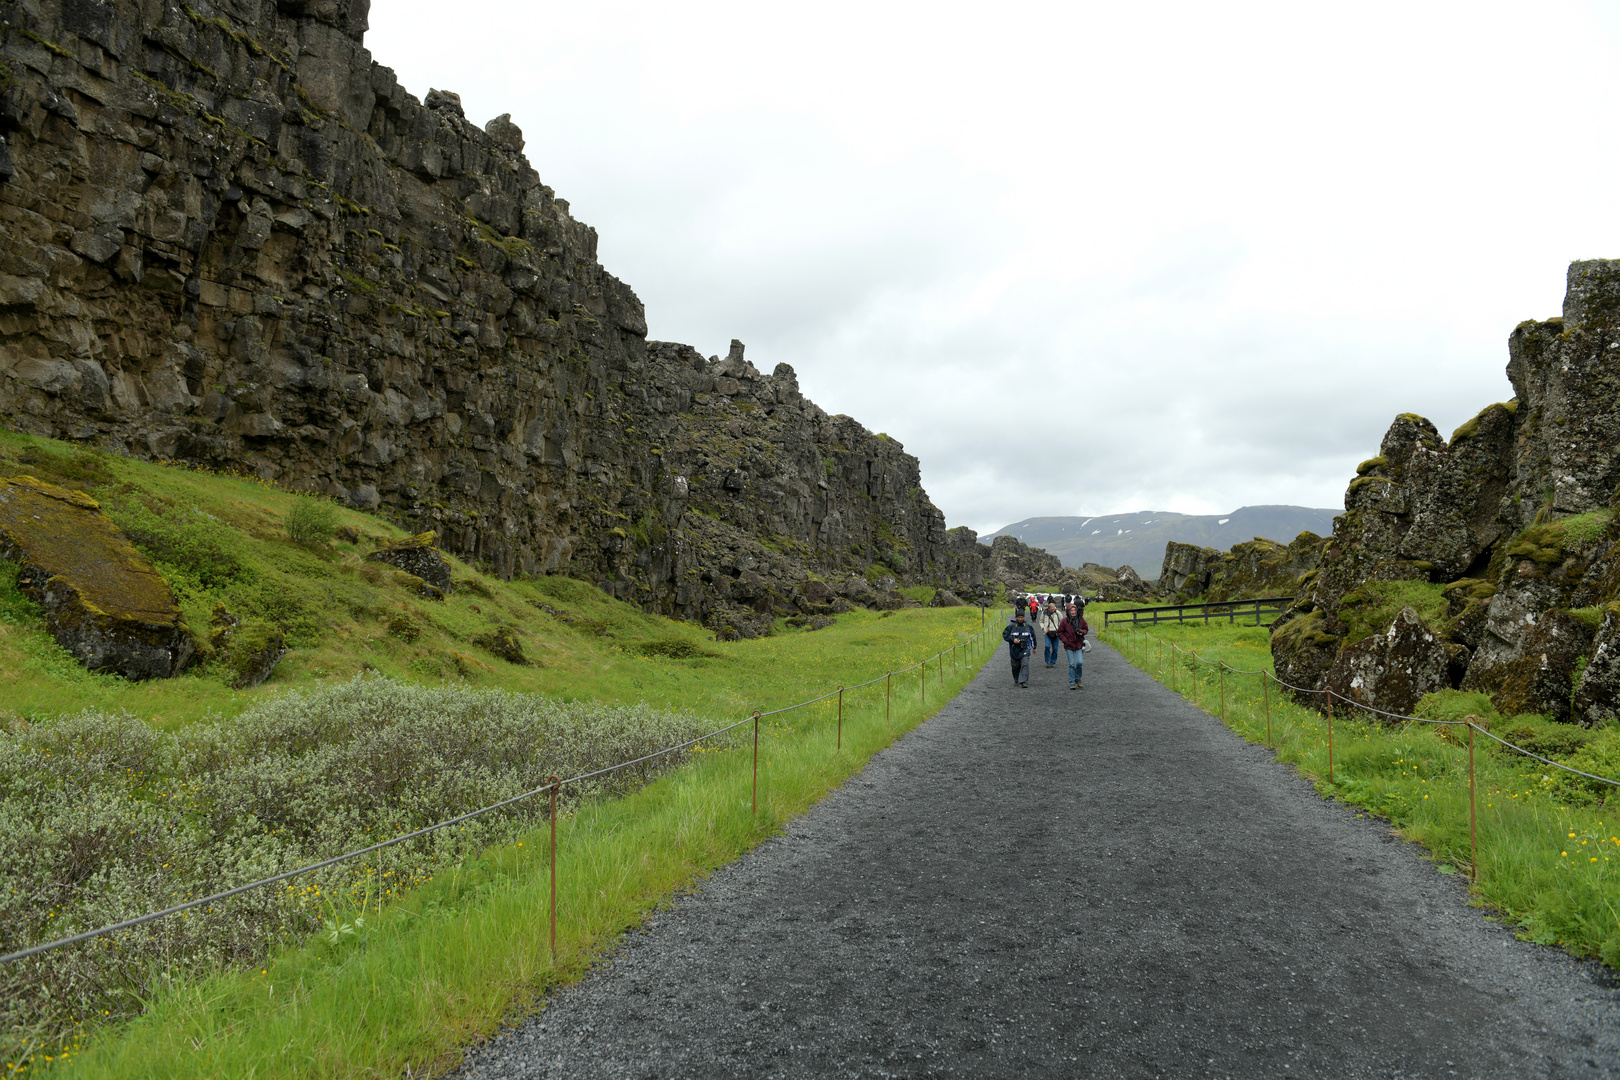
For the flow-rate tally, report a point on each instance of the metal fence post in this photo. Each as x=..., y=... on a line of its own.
x=754, y=799
x=556, y=784
x=1265, y=691
x=1330, y=734
x=1223, y=691
x=840, y=718
x=925, y=682
x=1473, y=839
x=888, y=693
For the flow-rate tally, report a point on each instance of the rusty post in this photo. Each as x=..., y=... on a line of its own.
x=1329, y=735
x=1265, y=691
x=556, y=784
x=840, y=718
x=1473, y=839
x=754, y=804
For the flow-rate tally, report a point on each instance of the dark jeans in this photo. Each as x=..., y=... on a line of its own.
x=1020, y=669
x=1051, y=648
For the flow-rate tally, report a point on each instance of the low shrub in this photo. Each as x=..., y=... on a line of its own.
x=103, y=818
x=675, y=649
x=311, y=520
x=185, y=539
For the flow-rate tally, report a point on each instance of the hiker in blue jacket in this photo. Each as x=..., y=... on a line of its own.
x=1020, y=641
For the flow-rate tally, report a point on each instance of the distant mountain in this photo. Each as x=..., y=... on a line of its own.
x=1138, y=539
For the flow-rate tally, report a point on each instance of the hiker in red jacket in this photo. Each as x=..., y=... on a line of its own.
x=1072, y=632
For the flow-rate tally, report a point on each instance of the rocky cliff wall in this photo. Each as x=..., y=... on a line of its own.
x=231, y=238
x=1489, y=561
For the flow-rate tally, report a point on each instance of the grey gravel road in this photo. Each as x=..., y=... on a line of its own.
x=1094, y=883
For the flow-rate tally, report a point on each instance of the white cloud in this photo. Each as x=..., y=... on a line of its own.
x=1079, y=258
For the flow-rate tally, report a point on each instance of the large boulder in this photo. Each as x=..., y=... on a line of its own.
x=1542, y=679
x=1392, y=670
x=857, y=590
x=416, y=555
x=1597, y=695
x=1187, y=569
x=1302, y=652
x=815, y=597
x=104, y=601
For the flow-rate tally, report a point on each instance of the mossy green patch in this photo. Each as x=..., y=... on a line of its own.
x=1371, y=607
x=65, y=535
x=1469, y=428
x=1308, y=630
x=1370, y=464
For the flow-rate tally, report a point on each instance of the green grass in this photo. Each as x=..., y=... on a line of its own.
x=422, y=978
x=339, y=613
x=1548, y=861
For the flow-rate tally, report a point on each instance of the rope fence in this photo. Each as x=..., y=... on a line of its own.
x=955, y=655
x=1328, y=696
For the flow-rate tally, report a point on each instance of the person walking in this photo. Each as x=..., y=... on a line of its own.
x=1020, y=641
x=1050, y=619
x=1072, y=632
x=1034, y=611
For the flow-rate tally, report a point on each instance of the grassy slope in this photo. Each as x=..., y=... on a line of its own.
x=446, y=963
x=1549, y=858
x=337, y=610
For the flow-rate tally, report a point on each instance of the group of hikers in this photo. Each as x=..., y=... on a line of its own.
x=1058, y=617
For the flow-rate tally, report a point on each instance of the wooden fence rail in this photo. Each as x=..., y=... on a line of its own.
x=1230, y=610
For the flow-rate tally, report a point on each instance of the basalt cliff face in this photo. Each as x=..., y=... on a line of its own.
x=231, y=238
x=1490, y=561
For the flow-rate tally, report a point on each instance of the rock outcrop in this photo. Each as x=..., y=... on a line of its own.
x=1255, y=568
x=1501, y=542
x=1016, y=565
x=103, y=601
x=1394, y=668
x=417, y=556
x=231, y=238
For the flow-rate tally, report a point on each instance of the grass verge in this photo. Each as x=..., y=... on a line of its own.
x=404, y=987
x=1547, y=860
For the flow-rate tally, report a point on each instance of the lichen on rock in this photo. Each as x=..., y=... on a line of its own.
x=104, y=601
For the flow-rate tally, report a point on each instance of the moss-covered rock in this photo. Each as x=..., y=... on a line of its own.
x=104, y=602
x=504, y=643
x=254, y=654
x=1302, y=651
x=1394, y=668
x=417, y=556
x=1597, y=693
x=1542, y=680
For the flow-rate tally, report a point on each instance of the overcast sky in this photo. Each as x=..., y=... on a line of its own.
x=1079, y=258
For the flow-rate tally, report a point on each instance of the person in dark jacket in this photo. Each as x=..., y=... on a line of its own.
x=1072, y=632
x=1020, y=641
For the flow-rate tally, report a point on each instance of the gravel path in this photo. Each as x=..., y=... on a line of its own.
x=1095, y=883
